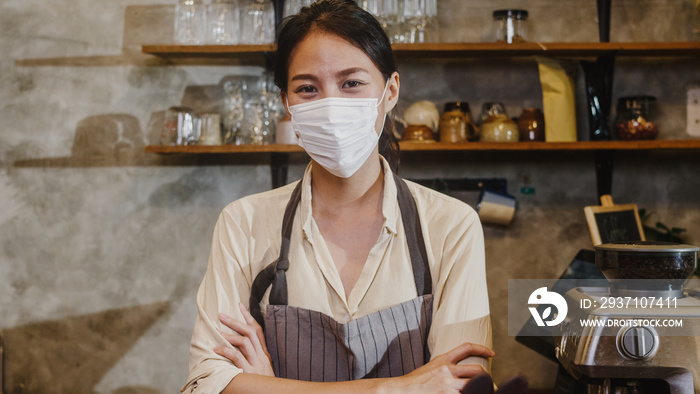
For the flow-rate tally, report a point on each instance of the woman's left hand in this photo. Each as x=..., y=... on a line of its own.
x=250, y=351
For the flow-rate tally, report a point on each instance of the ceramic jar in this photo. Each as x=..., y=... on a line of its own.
x=453, y=124
x=531, y=125
x=496, y=126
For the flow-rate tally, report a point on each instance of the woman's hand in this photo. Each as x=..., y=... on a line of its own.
x=250, y=351
x=442, y=374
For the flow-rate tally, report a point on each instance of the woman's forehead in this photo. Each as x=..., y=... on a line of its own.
x=321, y=52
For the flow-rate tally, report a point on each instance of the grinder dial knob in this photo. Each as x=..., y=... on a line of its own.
x=637, y=343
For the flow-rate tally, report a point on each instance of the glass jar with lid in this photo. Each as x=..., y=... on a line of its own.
x=636, y=118
x=510, y=26
x=496, y=126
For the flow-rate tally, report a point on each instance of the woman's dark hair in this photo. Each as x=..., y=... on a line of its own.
x=345, y=19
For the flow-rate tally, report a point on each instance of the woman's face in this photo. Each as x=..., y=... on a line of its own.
x=325, y=65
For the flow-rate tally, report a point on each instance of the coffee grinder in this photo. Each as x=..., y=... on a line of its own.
x=625, y=347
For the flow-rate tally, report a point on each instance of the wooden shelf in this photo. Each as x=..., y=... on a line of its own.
x=441, y=146
x=206, y=149
x=205, y=50
x=567, y=49
x=552, y=146
x=570, y=49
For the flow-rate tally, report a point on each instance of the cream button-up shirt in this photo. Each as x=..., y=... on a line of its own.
x=247, y=239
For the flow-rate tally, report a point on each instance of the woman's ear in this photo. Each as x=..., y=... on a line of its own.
x=392, y=94
x=285, y=103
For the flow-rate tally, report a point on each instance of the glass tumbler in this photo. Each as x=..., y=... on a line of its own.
x=415, y=21
x=258, y=22
x=696, y=17
x=223, y=22
x=234, y=92
x=258, y=124
x=190, y=22
x=180, y=127
x=432, y=26
x=210, y=129
x=292, y=7
x=387, y=13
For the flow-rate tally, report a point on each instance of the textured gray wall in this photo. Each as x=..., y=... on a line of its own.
x=103, y=246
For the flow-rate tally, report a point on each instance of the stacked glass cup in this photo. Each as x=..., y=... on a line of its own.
x=224, y=22
x=406, y=21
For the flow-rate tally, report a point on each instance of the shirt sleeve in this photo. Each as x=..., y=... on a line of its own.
x=226, y=282
x=461, y=304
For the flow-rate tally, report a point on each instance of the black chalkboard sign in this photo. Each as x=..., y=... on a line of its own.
x=614, y=223
x=617, y=226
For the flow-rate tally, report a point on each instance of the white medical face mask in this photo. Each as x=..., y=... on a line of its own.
x=338, y=133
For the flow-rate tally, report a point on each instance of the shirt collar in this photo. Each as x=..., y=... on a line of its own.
x=390, y=204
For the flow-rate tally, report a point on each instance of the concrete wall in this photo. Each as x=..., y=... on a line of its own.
x=103, y=246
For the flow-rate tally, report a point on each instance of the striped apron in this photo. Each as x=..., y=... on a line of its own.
x=309, y=345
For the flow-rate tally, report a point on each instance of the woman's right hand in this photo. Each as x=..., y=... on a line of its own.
x=249, y=351
x=442, y=374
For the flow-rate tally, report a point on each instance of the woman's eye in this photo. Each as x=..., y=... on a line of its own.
x=305, y=89
x=352, y=84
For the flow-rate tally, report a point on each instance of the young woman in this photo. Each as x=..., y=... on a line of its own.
x=351, y=273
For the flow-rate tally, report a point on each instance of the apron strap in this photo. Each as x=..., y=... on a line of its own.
x=258, y=289
x=414, y=238
x=275, y=273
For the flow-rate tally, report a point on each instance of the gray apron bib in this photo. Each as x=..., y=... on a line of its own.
x=309, y=345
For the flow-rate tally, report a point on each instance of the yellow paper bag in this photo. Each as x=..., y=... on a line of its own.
x=557, y=99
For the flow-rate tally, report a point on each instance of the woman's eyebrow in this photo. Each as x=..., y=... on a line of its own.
x=339, y=74
x=350, y=71
x=304, y=77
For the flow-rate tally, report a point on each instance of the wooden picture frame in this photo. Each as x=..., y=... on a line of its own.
x=614, y=223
